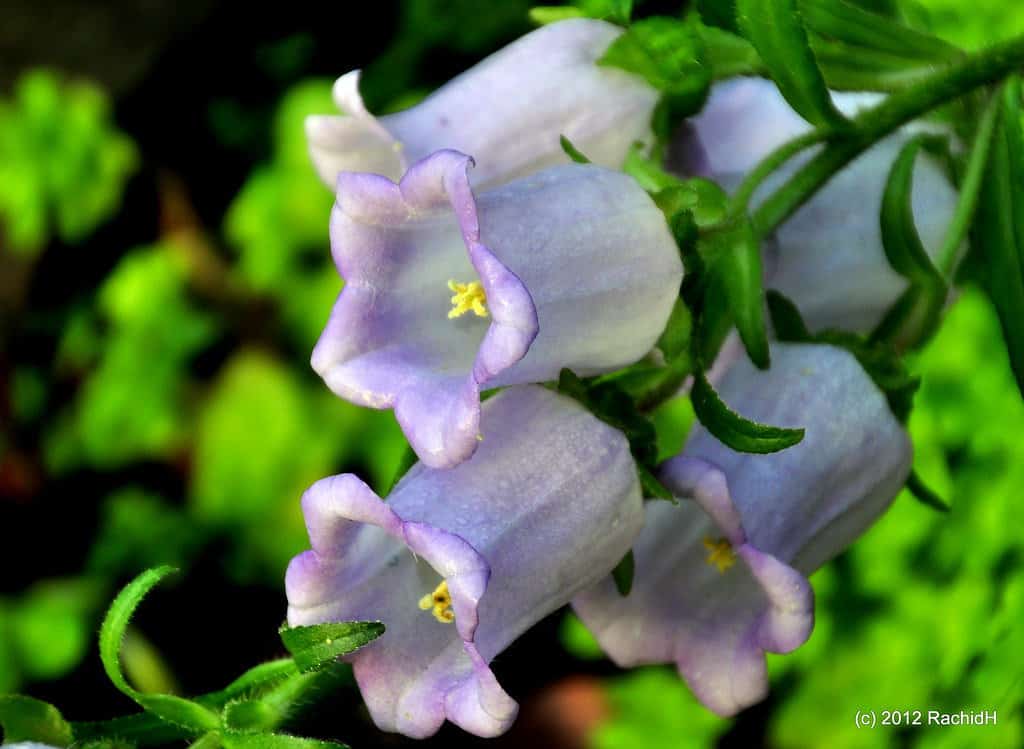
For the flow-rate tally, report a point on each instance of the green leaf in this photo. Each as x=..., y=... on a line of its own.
x=902, y=243
x=733, y=259
x=719, y=14
x=616, y=11
x=249, y=715
x=732, y=429
x=925, y=495
x=319, y=645
x=667, y=53
x=648, y=171
x=776, y=29
x=913, y=318
x=847, y=67
x=649, y=384
x=211, y=740
x=141, y=728
x=728, y=54
x=257, y=677
x=237, y=740
x=998, y=230
x=664, y=51
x=28, y=719
x=542, y=15
x=787, y=321
x=623, y=574
x=653, y=488
x=675, y=339
x=177, y=710
x=857, y=27
x=571, y=151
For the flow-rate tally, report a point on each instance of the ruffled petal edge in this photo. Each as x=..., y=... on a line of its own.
x=334, y=509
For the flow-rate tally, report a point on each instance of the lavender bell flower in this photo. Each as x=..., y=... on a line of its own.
x=447, y=292
x=828, y=256
x=508, y=112
x=458, y=563
x=720, y=579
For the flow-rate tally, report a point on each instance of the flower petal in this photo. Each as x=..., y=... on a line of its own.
x=356, y=142
x=338, y=511
x=508, y=111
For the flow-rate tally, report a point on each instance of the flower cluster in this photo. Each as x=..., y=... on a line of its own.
x=476, y=257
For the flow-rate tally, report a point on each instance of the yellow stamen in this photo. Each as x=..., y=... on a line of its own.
x=439, y=603
x=468, y=297
x=720, y=553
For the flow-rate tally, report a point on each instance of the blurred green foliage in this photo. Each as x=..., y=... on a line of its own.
x=277, y=223
x=976, y=24
x=63, y=164
x=132, y=403
x=263, y=438
x=655, y=710
x=246, y=438
x=47, y=630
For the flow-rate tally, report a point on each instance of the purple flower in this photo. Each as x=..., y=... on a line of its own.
x=458, y=563
x=447, y=293
x=508, y=112
x=828, y=257
x=720, y=578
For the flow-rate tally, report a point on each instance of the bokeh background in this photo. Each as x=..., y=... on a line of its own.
x=164, y=273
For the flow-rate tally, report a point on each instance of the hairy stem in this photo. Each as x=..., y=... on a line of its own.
x=983, y=68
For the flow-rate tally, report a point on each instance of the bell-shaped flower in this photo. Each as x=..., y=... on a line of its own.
x=458, y=563
x=446, y=293
x=720, y=578
x=828, y=257
x=508, y=112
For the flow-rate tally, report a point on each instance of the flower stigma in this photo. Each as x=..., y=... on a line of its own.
x=439, y=603
x=468, y=296
x=720, y=553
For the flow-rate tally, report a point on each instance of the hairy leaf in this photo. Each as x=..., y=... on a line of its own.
x=732, y=429
x=571, y=151
x=863, y=29
x=240, y=740
x=787, y=322
x=776, y=29
x=28, y=719
x=733, y=260
x=319, y=645
x=900, y=239
x=182, y=712
x=998, y=230
x=257, y=677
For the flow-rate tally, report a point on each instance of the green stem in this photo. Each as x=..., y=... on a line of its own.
x=778, y=157
x=950, y=83
x=970, y=190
